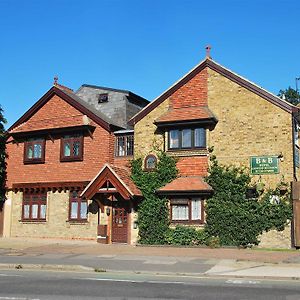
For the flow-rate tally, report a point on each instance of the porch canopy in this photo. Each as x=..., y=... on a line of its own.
x=112, y=179
x=187, y=186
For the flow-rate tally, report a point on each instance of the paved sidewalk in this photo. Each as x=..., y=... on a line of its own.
x=229, y=262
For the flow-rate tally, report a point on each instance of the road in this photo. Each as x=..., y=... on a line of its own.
x=21, y=285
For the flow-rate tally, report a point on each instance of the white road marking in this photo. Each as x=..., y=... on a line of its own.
x=17, y=298
x=10, y=275
x=239, y=281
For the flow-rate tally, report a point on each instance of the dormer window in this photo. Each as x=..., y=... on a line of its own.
x=34, y=151
x=187, y=138
x=102, y=98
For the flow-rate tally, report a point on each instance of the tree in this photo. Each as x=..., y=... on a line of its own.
x=290, y=95
x=2, y=157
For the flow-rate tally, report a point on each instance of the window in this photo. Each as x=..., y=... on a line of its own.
x=34, y=151
x=78, y=207
x=187, y=138
x=71, y=148
x=102, y=98
x=186, y=211
x=150, y=162
x=34, y=206
x=124, y=145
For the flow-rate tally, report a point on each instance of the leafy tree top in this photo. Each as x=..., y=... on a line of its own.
x=290, y=95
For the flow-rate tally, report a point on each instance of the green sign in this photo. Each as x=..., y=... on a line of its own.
x=264, y=165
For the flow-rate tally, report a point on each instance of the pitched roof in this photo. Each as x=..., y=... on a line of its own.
x=192, y=113
x=120, y=177
x=186, y=185
x=226, y=73
x=68, y=96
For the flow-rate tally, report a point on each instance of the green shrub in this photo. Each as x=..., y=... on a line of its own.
x=186, y=236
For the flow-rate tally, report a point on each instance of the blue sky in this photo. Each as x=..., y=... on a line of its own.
x=140, y=45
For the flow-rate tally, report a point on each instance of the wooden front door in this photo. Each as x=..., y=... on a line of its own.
x=120, y=220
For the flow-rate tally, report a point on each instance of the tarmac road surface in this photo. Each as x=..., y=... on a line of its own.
x=34, y=285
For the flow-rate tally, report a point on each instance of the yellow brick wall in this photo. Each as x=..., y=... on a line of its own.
x=145, y=135
x=248, y=125
x=57, y=224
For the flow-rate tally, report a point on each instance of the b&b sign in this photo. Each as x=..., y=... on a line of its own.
x=264, y=165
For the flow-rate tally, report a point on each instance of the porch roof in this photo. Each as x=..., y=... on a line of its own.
x=119, y=177
x=186, y=185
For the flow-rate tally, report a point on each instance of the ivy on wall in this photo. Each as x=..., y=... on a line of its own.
x=232, y=217
x=236, y=219
x=153, y=212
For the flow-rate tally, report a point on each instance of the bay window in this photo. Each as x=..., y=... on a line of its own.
x=186, y=210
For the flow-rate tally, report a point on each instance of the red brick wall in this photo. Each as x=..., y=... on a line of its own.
x=193, y=93
x=97, y=151
x=194, y=165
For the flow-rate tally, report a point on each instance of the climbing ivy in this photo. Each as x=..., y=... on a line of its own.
x=235, y=219
x=153, y=215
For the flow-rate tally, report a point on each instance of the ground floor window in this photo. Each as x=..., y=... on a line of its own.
x=186, y=210
x=78, y=207
x=34, y=206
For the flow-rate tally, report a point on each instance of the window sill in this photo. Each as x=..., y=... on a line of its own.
x=70, y=159
x=33, y=162
x=198, y=222
x=188, y=152
x=123, y=156
x=33, y=221
x=77, y=222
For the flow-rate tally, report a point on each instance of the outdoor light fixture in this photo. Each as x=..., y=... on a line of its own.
x=107, y=211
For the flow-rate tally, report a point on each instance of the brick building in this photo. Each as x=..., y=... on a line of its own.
x=55, y=149
x=246, y=125
x=70, y=151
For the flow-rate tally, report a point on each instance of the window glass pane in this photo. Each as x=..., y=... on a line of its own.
x=30, y=152
x=43, y=211
x=180, y=212
x=186, y=138
x=130, y=145
x=67, y=149
x=74, y=210
x=76, y=148
x=151, y=162
x=83, y=210
x=174, y=138
x=37, y=151
x=196, y=210
x=26, y=212
x=121, y=146
x=34, y=211
x=200, y=137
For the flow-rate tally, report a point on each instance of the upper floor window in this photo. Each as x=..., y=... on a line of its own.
x=124, y=145
x=102, y=98
x=71, y=148
x=187, y=138
x=34, y=151
x=150, y=162
x=34, y=206
x=78, y=207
